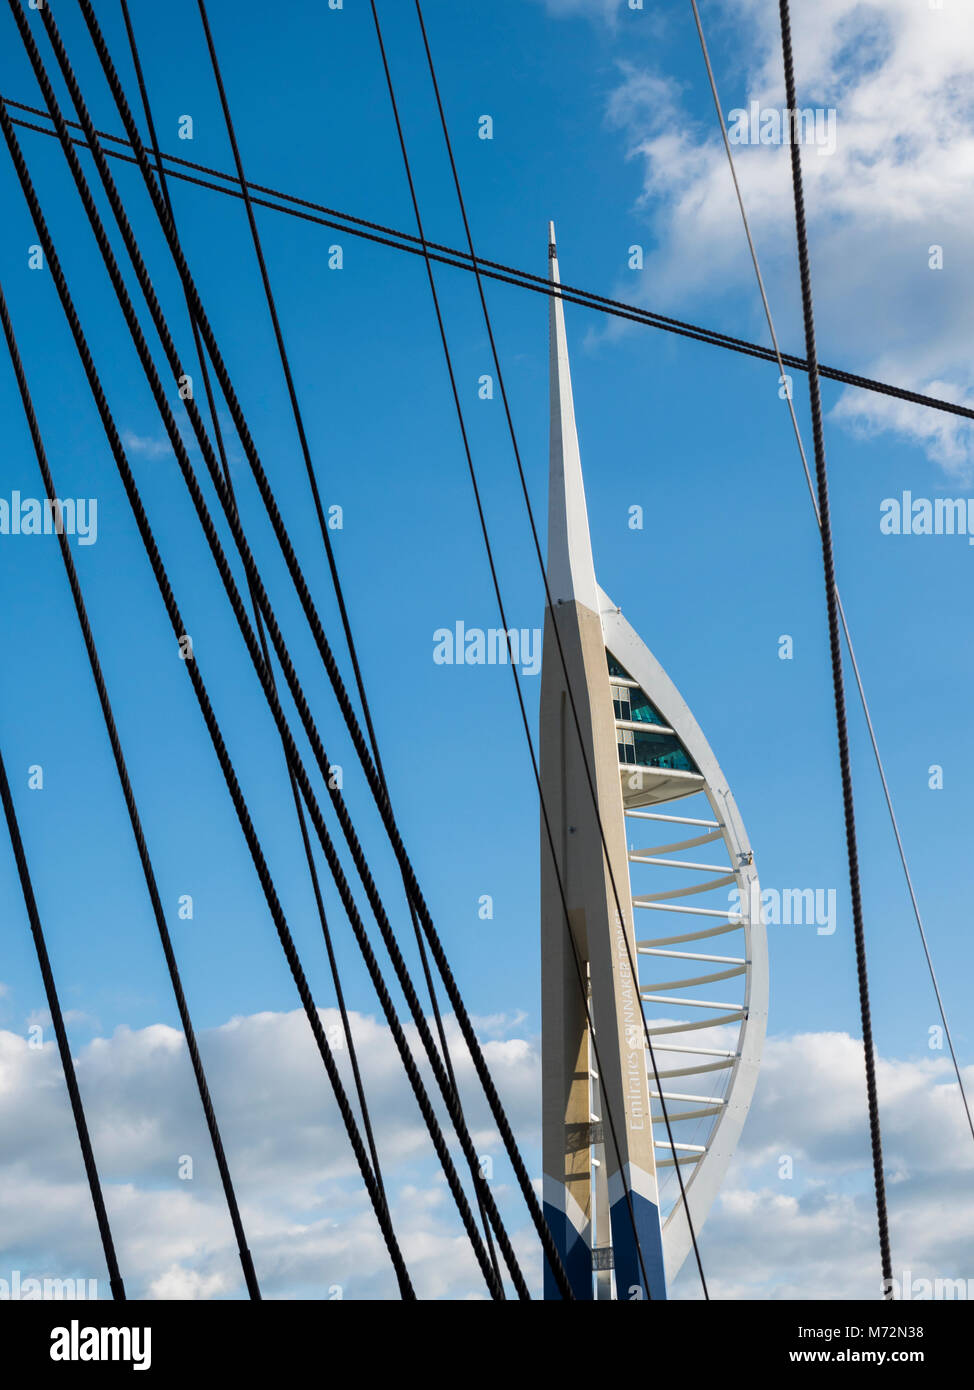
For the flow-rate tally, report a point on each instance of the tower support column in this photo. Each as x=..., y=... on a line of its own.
x=587, y=939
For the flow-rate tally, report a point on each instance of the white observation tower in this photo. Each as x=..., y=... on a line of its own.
x=619, y=750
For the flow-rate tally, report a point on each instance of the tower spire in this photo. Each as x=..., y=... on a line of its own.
x=571, y=570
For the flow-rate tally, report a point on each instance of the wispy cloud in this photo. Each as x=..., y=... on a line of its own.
x=602, y=9
x=146, y=446
x=896, y=188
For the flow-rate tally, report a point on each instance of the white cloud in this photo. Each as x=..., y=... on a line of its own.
x=308, y=1218
x=901, y=78
x=158, y=446
x=496, y=1025
x=947, y=439
x=304, y=1205
x=180, y=1283
x=146, y=446
x=814, y=1235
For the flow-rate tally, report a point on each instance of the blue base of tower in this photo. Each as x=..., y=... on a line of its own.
x=576, y=1256
x=635, y=1278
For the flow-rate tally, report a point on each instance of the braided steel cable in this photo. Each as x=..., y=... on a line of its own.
x=60, y=1033
x=258, y=624
x=842, y=616
x=158, y=911
x=475, y=263
x=199, y=688
x=283, y=655
x=379, y=796
x=495, y=581
x=298, y=417
x=835, y=650
x=293, y=206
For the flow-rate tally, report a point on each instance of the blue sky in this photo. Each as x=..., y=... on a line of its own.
x=602, y=121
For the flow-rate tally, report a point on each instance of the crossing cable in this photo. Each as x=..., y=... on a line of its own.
x=60, y=1033
x=319, y=511
x=247, y=632
x=294, y=206
x=326, y=538
x=842, y=616
x=500, y=605
x=561, y=653
x=295, y=793
x=548, y=597
x=246, y=1260
x=835, y=648
x=240, y=614
x=294, y=569
x=283, y=655
x=199, y=688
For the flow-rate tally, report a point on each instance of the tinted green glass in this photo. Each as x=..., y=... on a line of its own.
x=642, y=710
x=663, y=750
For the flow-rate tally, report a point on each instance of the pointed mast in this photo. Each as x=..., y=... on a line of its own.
x=571, y=570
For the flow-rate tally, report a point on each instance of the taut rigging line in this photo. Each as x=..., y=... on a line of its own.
x=246, y=1260
x=375, y=784
x=835, y=651
x=323, y=216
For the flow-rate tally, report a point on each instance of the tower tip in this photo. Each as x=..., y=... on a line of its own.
x=571, y=571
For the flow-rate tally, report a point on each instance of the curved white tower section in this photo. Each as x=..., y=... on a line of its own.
x=649, y=851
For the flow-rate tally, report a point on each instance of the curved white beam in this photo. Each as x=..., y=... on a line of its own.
x=628, y=648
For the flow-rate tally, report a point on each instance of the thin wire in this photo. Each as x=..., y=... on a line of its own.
x=845, y=626
x=496, y=270
x=561, y=653
x=60, y=1033
x=246, y=1260
x=835, y=649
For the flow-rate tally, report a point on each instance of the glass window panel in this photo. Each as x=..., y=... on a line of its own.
x=642, y=710
x=620, y=702
x=663, y=751
x=615, y=669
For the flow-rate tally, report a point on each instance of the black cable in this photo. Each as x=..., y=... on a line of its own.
x=202, y=697
x=835, y=648
x=561, y=653
x=381, y=800
x=500, y=602
x=499, y=597
x=298, y=417
x=497, y=270
x=257, y=588
x=240, y=614
x=901, y=849
x=258, y=624
x=60, y=1033
x=860, y=687
x=246, y=1261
